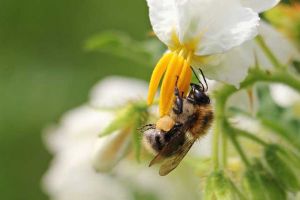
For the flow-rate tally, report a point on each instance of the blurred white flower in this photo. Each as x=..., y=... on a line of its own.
x=71, y=175
x=284, y=95
x=76, y=147
x=194, y=30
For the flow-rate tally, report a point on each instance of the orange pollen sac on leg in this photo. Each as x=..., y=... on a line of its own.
x=175, y=66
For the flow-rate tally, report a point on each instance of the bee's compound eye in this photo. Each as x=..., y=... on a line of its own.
x=165, y=123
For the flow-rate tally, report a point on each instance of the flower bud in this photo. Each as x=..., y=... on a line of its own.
x=219, y=187
x=109, y=150
x=115, y=140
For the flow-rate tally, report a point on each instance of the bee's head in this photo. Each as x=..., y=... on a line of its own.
x=197, y=95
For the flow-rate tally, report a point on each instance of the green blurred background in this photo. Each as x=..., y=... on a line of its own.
x=45, y=71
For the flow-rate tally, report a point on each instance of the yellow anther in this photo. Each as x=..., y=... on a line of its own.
x=168, y=85
x=156, y=76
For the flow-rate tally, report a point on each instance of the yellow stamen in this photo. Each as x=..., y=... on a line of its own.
x=188, y=79
x=156, y=76
x=169, y=95
x=172, y=65
x=185, y=74
x=168, y=82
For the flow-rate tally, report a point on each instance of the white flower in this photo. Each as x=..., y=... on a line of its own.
x=234, y=65
x=283, y=95
x=71, y=175
x=194, y=30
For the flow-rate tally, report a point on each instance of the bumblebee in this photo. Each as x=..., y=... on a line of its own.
x=173, y=135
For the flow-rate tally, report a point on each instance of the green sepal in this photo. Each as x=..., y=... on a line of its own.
x=139, y=117
x=121, y=121
x=137, y=135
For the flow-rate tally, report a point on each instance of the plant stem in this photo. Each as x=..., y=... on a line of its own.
x=268, y=52
x=255, y=75
x=239, y=149
x=232, y=135
x=215, y=147
x=250, y=136
x=224, y=150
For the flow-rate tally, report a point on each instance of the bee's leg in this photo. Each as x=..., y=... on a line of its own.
x=146, y=127
x=178, y=103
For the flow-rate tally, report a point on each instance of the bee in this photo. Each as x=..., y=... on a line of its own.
x=173, y=135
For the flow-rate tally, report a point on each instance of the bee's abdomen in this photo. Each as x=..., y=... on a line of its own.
x=154, y=140
x=204, y=121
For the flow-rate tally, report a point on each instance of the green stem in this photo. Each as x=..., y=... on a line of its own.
x=279, y=76
x=232, y=135
x=282, y=131
x=259, y=39
x=239, y=149
x=215, y=146
x=250, y=136
x=255, y=75
x=224, y=150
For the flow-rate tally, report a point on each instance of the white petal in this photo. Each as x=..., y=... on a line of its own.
x=163, y=19
x=260, y=5
x=79, y=124
x=283, y=95
x=109, y=150
x=146, y=180
x=71, y=176
x=220, y=25
x=115, y=91
x=231, y=67
x=280, y=46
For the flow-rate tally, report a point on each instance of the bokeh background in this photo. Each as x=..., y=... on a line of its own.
x=44, y=71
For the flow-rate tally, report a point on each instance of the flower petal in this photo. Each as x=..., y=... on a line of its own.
x=260, y=5
x=163, y=19
x=110, y=149
x=280, y=46
x=114, y=91
x=218, y=25
x=283, y=95
x=231, y=67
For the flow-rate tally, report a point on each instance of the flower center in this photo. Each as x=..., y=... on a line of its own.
x=175, y=66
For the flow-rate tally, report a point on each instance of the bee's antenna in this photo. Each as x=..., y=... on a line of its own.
x=204, y=79
x=198, y=78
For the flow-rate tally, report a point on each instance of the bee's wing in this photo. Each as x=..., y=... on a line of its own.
x=171, y=146
x=171, y=163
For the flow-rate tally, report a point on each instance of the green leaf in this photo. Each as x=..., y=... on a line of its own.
x=273, y=190
x=253, y=186
x=281, y=169
x=121, y=45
